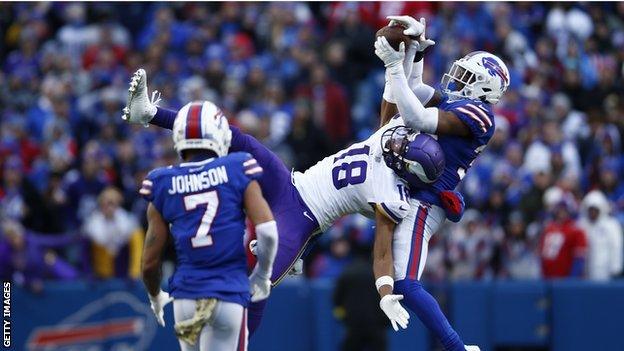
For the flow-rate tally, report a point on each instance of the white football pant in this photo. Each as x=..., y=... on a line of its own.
x=411, y=239
x=225, y=331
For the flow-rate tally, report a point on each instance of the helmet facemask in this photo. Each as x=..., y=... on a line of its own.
x=459, y=82
x=394, y=143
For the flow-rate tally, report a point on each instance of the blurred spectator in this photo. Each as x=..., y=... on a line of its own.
x=604, y=237
x=356, y=304
x=330, y=265
x=518, y=251
x=19, y=199
x=26, y=262
x=330, y=105
x=470, y=248
x=84, y=185
x=306, y=141
x=563, y=245
x=116, y=238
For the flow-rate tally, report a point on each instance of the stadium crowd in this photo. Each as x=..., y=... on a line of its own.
x=304, y=80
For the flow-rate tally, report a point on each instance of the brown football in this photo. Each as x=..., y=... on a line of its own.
x=394, y=35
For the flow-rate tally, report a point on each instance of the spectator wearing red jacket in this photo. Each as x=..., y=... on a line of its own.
x=331, y=111
x=563, y=245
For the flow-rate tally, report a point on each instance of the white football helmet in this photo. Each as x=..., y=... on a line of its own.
x=201, y=125
x=478, y=75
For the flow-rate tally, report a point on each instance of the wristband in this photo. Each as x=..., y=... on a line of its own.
x=384, y=280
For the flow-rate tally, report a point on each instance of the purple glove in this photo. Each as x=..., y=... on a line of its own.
x=453, y=204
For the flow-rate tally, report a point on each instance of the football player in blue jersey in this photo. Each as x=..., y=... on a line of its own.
x=460, y=115
x=202, y=203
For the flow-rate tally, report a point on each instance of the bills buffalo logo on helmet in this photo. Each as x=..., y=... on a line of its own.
x=494, y=68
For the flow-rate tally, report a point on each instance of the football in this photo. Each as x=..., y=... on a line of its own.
x=394, y=35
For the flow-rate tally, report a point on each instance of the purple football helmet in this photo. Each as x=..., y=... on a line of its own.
x=415, y=157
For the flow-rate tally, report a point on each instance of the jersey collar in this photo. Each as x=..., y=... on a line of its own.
x=197, y=163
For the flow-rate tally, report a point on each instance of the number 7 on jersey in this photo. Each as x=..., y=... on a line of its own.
x=211, y=200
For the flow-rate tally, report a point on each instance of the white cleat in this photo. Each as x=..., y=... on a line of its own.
x=472, y=348
x=297, y=268
x=139, y=108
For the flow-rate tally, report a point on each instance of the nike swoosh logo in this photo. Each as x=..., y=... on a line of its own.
x=402, y=208
x=305, y=213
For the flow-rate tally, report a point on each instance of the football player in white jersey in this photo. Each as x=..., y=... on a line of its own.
x=461, y=118
x=354, y=180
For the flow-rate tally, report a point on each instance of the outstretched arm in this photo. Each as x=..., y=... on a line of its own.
x=383, y=267
x=415, y=114
x=413, y=64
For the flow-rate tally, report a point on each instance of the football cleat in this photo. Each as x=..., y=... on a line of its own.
x=253, y=247
x=140, y=109
x=297, y=268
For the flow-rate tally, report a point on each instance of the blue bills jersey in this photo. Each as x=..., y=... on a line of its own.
x=460, y=152
x=203, y=204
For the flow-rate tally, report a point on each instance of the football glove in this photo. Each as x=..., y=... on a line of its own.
x=158, y=303
x=260, y=286
x=413, y=28
x=397, y=315
x=422, y=42
x=453, y=204
x=390, y=57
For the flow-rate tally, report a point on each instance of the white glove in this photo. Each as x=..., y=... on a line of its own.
x=413, y=28
x=394, y=311
x=158, y=303
x=389, y=56
x=260, y=286
x=422, y=42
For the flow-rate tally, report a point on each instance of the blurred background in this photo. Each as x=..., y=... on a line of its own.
x=303, y=79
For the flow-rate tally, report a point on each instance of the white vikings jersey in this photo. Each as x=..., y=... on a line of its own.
x=354, y=180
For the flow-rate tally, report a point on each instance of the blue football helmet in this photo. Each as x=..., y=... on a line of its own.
x=415, y=157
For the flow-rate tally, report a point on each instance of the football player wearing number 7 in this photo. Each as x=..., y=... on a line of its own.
x=461, y=117
x=202, y=204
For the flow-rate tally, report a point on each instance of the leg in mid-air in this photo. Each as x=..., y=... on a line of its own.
x=410, y=248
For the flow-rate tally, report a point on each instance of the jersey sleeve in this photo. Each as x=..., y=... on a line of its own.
x=149, y=189
x=477, y=117
x=245, y=169
x=395, y=210
x=251, y=168
x=391, y=195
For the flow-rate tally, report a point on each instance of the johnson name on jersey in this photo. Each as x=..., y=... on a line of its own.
x=354, y=180
x=460, y=152
x=203, y=204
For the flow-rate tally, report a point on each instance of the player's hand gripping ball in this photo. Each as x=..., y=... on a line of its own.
x=394, y=35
